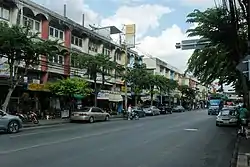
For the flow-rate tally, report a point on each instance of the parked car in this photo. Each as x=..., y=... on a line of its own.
x=90, y=114
x=164, y=109
x=139, y=111
x=213, y=110
x=227, y=116
x=178, y=109
x=151, y=110
x=10, y=123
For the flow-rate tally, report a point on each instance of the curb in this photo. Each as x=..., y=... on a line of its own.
x=233, y=162
x=27, y=126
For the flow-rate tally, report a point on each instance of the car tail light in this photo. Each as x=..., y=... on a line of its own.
x=82, y=114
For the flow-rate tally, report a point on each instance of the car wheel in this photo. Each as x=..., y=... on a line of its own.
x=107, y=118
x=91, y=119
x=217, y=124
x=13, y=127
x=208, y=113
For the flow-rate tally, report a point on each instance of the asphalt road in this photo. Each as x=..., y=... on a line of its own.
x=188, y=139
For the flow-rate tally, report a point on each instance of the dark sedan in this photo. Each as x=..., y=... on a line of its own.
x=139, y=110
x=178, y=109
x=165, y=109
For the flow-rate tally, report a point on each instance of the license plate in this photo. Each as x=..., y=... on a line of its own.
x=226, y=122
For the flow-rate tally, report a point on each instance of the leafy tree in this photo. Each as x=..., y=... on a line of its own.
x=70, y=87
x=226, y=32
x=170, y=86
x=17, y=46
x=99, y=64
x=137, y=77
x=187, y=93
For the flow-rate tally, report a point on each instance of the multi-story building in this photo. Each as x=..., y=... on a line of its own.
x=72, y=36
x=159, y=67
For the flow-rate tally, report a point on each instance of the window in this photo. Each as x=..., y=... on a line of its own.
x=5, y=14
x=96, y=110
x=53, y=32
x=60, y=60
x=118, y=57
x=76, y=41
x=37, y=26
x=56, y=33
x=25, y=21
x=93, y=47
x=51, y=59
x=106, y=51
x=61, y=35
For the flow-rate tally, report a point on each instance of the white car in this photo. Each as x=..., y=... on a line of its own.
x=227, y=117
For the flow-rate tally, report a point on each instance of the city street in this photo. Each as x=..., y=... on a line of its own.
x=188, y=139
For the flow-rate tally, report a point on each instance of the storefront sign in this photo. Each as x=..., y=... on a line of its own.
x=115, y=98
x=37, y=87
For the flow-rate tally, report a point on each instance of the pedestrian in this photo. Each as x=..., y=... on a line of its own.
x=129, y=111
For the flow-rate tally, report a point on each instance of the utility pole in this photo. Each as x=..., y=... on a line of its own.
x=126, y=72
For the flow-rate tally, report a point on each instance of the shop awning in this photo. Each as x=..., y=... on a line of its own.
x=78, y=97
x=115, y=97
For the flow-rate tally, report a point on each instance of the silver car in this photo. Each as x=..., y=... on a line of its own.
x=151, y=110
x=227, y=117
x=90, y=114
x=10, y=123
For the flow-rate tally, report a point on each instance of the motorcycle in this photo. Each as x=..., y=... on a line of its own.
x=134, y=116
x=242, y=130
x=29, y=117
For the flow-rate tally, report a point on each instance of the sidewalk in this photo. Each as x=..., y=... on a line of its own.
x=243, y=157
x=57, y=121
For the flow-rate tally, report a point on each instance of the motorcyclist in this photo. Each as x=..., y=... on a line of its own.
x=243, y=116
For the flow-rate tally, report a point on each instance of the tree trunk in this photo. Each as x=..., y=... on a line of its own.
x=7, y=99
x=151, y=96
x=169, y=98
x=135, y=100
x=96, y=92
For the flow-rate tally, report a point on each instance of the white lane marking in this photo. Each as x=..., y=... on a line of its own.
x=69, y=139
x=191, y=129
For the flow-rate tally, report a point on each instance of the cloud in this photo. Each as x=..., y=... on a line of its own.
x=145, y=17
x=199, y=3
x=163, y=47
x=75, y=9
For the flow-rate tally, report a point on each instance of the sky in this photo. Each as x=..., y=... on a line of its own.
x=160, y=24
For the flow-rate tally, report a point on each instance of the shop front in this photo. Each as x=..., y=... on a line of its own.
x=110, y=101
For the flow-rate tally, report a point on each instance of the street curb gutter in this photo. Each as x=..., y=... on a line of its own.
x=56, y=123
x=233, y=162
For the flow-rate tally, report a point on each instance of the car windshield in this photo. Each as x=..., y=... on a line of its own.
x=228, y=112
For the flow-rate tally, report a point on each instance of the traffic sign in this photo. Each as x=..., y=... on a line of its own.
x=244, y=66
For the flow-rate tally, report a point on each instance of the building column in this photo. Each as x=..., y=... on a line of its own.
x=44, y=63
x=67, y=43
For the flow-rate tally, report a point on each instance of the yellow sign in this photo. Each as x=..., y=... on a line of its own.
x=130, y=29
x=37, y=87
